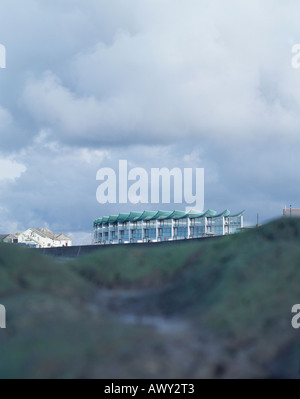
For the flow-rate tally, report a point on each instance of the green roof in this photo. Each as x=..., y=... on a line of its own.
x=210, y=213
x=177, y=215
x=224, y=213
x=122, y=217
x=105, y=219
x=194, y=214
x=133, y=216
x=147, y=215
x=112, y=218
x=162, y=215
x=238, y=214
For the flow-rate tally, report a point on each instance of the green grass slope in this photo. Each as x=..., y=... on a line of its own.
x=232, y=296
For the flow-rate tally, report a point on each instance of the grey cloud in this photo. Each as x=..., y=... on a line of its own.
x=167, y=83
x=162, y=83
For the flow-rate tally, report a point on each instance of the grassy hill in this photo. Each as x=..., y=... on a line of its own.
x=218, y=308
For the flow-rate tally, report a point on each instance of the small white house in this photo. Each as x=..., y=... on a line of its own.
x=43, y=238
x=9, y=238
x=64, y=240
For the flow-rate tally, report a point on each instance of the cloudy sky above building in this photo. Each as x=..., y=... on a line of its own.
x=159, y=83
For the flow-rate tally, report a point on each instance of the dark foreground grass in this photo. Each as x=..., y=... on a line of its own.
x=235, y=295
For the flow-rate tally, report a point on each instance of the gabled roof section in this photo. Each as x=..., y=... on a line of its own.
x=40, y=232
x=147, y=215
x=238, y=214
x=61, y=237
x=134, y=216
x=105, y=219
x=176, y=215
x=97, y=221
x=224, y=213
x=210, y=213
x=46, y=232
x=161, y=215
x=122, y=217
x=192, y=214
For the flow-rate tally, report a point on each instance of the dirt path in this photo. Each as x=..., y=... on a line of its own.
x=188, y=351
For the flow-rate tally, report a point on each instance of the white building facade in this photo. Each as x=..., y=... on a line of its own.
x=156, y=226
x=40, y=238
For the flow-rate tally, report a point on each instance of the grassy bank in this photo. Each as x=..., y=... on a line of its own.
x=234, y=293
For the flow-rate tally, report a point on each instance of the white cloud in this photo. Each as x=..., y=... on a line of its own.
x=184, y=71
x=77, y=118
x=10, y=170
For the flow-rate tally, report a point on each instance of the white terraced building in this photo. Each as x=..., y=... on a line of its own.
x=38, y=238
x=155, y=226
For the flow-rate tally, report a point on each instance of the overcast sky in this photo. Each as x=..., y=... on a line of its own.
x=160, y=83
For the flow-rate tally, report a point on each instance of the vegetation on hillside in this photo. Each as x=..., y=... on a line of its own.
x=211, y=308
